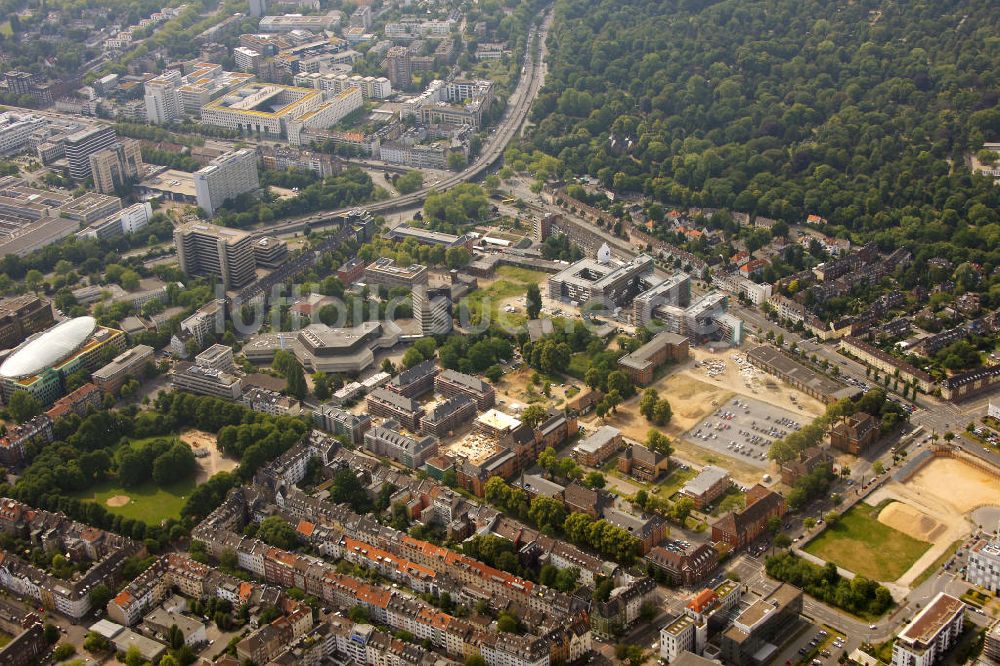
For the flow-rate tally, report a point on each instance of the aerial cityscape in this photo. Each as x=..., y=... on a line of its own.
x=499, y=333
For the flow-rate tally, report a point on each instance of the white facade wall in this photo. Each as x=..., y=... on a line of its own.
x=136, y=217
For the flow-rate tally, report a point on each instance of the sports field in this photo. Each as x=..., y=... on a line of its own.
x=860, y=543
x=148, y=502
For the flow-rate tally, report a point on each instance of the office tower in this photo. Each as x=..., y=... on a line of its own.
x=211, y=250
x=398, y=65
x=227, y=176
x=432, y=310
x=163, y=100
x=81, y=145
x=117, y=167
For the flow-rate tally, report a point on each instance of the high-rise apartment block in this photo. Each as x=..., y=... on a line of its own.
x=207, y=249
x=117, y=166
x=163, y=101
x=397, y=61
x=227, y=176
x=81, y=145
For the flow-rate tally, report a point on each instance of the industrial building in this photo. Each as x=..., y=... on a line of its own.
x=432, y=310
x=384, y=271
x=21, y=316
x=773, y=360
x=643, y=362
x=290, y=22
x=129, y=363
x=273, y=111
x=186, y=376
x=386, y=440
x=81, y=145
x=172, y=94
x=451, y=383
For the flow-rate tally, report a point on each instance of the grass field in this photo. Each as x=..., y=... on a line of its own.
x=146, y=441
x=510, y=281
x=674, y=480
x=150, y=503
x=6, y=30
x=858, y=542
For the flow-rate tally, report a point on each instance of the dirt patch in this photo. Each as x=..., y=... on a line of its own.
x=945, y=490
x=955, y=483
x=515, y=391
x=751, y=382
x=210, y=459
x=908, y=520
x=118, y=500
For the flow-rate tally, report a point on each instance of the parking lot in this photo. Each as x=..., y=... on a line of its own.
x=744, y=428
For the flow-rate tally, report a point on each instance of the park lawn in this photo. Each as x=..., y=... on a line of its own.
x=6, y=31
x=150, y=503
x=146, y=441
x=858, y=542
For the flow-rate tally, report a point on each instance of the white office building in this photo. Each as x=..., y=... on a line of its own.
x=226, y=177
x=984, y=565
x=136, y=217
x=15, y=129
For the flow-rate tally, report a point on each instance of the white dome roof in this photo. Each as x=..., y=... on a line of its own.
x=47, y=349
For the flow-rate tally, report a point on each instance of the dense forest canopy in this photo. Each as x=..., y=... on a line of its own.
x=862, y=112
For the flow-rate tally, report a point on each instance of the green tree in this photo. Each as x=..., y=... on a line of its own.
x=533, y=415
x=275, y=531
x=23, y=406
x=533, y=301
x=412, y=357
x=100, y=595
x=457, y=257
x=409, y=182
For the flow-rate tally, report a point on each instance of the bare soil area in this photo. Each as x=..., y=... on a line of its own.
x=936, y=501
x=214, y=462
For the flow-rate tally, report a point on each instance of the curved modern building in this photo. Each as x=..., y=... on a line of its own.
x=322, y=348
x=41, y=363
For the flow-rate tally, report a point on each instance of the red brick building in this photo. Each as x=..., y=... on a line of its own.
x=739, y=528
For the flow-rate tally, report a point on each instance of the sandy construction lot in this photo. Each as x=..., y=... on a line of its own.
x=694, y=393
x=953, y=482
x=753, y=383
x=516, y=391
x=936, y=506
x=214, y=462
x=908, y=520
